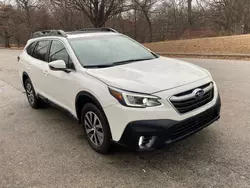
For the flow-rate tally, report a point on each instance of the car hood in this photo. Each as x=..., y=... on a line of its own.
x=150, y=76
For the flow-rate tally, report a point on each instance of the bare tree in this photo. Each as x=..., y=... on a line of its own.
x=170, y=20
x=161, y=19
x=27, y=6
x=19, y=26
x=146, y=7
x=6, y=23
x=99, y=11
x=66, y=15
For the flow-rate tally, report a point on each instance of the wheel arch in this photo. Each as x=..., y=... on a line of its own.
x=82, y=98
x=25, y=76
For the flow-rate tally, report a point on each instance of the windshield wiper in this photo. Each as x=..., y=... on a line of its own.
x=99, y=66
x=130, y=61
x=116, y=63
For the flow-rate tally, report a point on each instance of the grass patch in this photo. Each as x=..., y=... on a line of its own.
x=239, y=44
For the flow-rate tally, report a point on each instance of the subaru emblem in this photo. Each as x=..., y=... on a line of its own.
x=198, y=93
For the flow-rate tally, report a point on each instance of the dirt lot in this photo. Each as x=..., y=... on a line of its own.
x=46, y=148
x=219, y=45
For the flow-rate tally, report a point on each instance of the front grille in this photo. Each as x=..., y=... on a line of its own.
x=193, y=124
x=187, y=101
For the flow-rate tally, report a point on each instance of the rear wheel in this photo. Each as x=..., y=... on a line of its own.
x=96, y=128
x=33, y=100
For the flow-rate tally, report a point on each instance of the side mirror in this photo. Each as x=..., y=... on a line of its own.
x=58, y=65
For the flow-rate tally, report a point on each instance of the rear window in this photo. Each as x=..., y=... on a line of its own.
x=41, y=50
x=30, y=48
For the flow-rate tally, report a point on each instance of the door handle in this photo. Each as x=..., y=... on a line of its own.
x=45, y=72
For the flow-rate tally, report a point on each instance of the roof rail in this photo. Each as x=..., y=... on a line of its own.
x=107, y=29
x=64, y=34
x=49, y=33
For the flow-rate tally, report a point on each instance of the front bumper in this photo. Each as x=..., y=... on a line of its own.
x=166, y=131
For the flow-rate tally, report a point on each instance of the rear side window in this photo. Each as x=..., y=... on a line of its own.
x=41, y=50
x=59, y=52
x=30, y=48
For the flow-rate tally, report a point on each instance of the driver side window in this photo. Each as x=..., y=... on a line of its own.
x=59, y=52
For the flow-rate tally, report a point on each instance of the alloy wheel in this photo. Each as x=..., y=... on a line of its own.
x=94, y=128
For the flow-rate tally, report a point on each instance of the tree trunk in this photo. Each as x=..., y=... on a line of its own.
x=150, y=31
x=29, y=20
x=135, y=24
x=97, y=23
x=150, y=26
x=7, y=42
x=189, y=14
x=18, y=42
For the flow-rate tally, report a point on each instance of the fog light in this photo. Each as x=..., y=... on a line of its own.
x=146, y=142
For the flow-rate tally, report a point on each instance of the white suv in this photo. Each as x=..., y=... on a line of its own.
x=119, y=90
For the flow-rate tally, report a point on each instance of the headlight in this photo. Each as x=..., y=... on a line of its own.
x=134, y=99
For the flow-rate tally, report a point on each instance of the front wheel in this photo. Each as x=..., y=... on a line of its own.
x=96, y=128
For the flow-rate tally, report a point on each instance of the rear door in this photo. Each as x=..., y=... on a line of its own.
x=37, y=65
x=25, y=59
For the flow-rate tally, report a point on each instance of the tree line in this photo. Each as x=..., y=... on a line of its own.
x=143, y=20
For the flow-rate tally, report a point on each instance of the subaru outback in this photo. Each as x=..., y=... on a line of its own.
x=118, y=90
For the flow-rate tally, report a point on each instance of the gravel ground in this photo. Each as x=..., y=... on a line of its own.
x=46, y=148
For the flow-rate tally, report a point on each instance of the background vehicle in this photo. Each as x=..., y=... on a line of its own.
x=117, y=89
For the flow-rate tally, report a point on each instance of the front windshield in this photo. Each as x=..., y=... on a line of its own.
x=104, y=50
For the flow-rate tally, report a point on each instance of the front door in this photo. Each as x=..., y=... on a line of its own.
x=60, y=85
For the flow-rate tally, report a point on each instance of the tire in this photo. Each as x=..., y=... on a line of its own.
x=96, y=128
x=33, y=100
